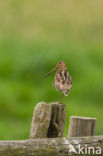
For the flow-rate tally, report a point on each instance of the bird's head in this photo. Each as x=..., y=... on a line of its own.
x=61, y=65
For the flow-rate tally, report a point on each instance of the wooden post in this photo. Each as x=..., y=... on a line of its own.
x=81, y=126
x=48, y=120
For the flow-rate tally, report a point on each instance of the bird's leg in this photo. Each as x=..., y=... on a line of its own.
x=61, y=97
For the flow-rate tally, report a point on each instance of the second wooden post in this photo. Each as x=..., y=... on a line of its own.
x=81, y=126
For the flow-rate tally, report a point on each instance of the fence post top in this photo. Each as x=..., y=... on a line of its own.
x=83, y=118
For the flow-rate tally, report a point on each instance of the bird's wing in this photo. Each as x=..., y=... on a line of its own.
x=66, y=80
x=63, y=81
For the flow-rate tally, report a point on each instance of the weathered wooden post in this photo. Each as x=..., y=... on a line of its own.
x=81, y=126
x=48, y=120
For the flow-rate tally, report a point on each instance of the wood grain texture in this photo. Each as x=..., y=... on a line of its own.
x=81, y=126
x=48, y=120
x=48, y=147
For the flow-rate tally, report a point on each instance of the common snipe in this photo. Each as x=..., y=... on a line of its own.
x=62, y=80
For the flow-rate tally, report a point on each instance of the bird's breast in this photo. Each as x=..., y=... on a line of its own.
x=63, y=82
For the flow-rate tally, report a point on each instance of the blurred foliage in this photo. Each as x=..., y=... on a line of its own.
x=34, y=35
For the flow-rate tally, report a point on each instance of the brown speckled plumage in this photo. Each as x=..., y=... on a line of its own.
x=62, y=80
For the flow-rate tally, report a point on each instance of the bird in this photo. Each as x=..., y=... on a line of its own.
x=62, y=80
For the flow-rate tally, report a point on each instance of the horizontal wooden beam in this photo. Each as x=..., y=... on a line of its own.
x=51, y=147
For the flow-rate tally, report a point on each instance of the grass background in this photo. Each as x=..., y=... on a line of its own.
x=34, y=35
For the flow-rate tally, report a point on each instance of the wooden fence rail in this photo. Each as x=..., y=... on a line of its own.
x=53, y=147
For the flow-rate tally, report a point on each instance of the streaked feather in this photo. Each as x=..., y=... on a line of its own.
x=63, y=82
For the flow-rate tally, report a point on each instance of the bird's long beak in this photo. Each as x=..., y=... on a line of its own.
x=50, y=72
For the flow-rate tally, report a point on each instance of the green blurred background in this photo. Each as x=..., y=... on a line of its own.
x=34, y=35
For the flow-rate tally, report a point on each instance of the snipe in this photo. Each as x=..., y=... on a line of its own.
x=62, y=80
